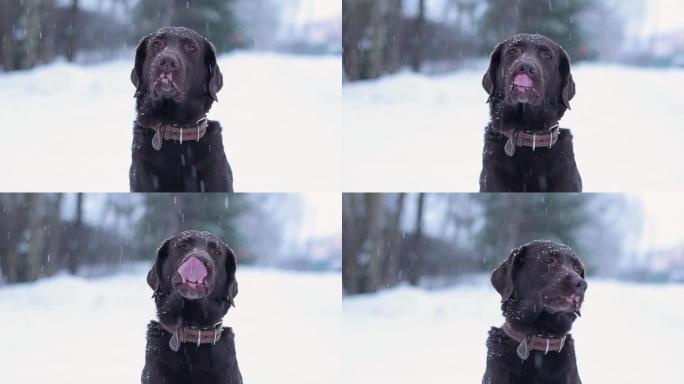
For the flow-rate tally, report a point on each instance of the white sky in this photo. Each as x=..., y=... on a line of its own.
x=663, y=215
x=319, y=9
x=663, y=16
x=322, y=214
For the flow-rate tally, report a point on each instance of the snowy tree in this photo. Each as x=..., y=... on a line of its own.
x=213, y=19
x=559, y=20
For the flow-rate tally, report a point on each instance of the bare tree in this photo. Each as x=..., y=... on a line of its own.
x=415, y=251
x=419, y=39
x=395, y=21
x=33, y=260
x=393, y=248
x=74, y=254
x=72, y=31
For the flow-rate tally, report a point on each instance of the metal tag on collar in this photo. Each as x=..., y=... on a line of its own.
x=199, y=337
x=562, y=343
x=523, y=349
x=159, y=137
x=175, y=342
x=509, y=148
x=217, y=330
x=157, y=140
x=203, y=122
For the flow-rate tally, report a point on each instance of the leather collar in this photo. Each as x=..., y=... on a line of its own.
x=531, y=139
x=180, y=133
x=533, y=342
x=188, y=334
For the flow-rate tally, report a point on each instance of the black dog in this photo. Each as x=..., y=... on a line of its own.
x=175, y=147
x=542, y=289
x=194, y=285
x=530, y=87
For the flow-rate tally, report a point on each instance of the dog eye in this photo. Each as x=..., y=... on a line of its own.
x=190, y=48
x=216, y=252
x=578, y=269
x=512, y=51
x=184, y=246
x=546, y=55
x=156, y=44
x=549, y=260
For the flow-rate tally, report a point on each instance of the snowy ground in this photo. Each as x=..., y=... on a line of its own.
x=628, y=333
x=417, y=133
x=72, y=330
x=68, y=127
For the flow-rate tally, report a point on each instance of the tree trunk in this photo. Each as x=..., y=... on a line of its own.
x=52, y=257
x=419, y=41
x=73, y=259
x=351, y=37
x=416, y=249
x=352, y=227
x=394, y=242
x=11, y=11
x=72, y=31
x=36, y=249
x=378, y=27
x=373, y=250
x=31, y=47
x=394, y=38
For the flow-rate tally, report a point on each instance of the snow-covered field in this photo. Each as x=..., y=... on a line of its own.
x=628, y=333
x=73, y=330
x=69, y=127
x=416, y=133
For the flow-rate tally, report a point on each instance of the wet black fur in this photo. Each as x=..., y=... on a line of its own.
x=519, y=282
x=206, y=364
x=191, y=166
x=542, y=170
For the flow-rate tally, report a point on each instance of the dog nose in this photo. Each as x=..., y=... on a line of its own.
x=167, y=63
x=525, y=67
x=578, y=283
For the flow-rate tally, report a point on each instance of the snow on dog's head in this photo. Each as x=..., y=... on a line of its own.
x=529, y=69
x=175, y=67
x=196, y=265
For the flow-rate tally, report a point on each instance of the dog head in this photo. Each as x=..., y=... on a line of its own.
x=540, y=277
x=176, y=67
x=529, y=69
x=196, y=265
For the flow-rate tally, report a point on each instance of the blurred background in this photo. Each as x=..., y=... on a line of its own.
x=438, y=240
x=101, y=234
x=34, y=32
x=71, y=60
x=384, y=36
x=76, y=264
x=417, y=295
x=414, y=104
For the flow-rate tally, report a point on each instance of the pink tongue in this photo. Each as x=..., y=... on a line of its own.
x=522, y=80
x=193, y=270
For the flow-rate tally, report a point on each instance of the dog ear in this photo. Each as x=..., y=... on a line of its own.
x=568, y=84
x=140, y=52
x=502, y=276
x=489, y=78
x=215, y=77
x=231, y=267
x=154, y=275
